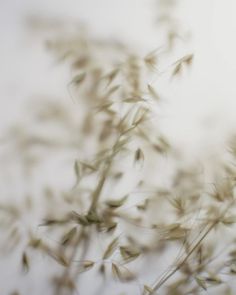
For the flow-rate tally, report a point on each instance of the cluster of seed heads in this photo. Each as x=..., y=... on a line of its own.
x=112, y=127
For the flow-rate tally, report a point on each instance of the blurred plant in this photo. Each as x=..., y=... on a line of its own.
x=118, y=221
x=169, y=22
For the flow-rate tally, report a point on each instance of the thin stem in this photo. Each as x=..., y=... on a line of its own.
x=98, y=190
x=171, y=273
x=161, y=282
x=66, y=272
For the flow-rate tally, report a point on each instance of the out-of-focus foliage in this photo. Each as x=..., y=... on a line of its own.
x=118, y=221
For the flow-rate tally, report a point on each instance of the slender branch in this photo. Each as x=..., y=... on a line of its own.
x=162, y=281
x=195, y=246
x=98, y=190
x=66, y=272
